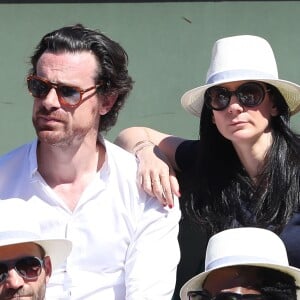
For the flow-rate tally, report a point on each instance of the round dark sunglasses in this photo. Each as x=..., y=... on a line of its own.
x=28, y=267
x=203, y=295
x=249, y=94
x=68, y=96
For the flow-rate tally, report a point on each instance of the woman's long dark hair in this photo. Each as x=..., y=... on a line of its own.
x=222, y=194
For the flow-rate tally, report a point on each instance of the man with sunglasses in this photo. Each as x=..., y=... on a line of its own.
x=84, y=187
x=26, y=258
x=244, y=264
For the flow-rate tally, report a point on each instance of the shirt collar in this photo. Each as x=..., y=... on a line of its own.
x=33, y=158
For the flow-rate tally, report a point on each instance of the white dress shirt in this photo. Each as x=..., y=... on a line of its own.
x=124, y=241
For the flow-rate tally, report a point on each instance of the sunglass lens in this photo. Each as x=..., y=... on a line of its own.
x=69, y=94
x=228, y=296
x=29, y=267
x=250, y=94
x=198, y=295
x=234, y=296
x=218, y=98
x=253, y=297
x=3, y=272
x=38, y=88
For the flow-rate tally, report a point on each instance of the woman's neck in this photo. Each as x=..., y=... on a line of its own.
x=252, y=155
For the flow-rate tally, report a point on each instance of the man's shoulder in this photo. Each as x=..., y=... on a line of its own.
x=17, y=153
x=125, y=165
x=119, y=154
x=121, y=163
x=15, y=170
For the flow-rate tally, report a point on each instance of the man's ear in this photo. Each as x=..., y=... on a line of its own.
x=47, y=267
x=107, y=103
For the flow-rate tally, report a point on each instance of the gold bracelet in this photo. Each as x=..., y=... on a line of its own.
x=141, y=145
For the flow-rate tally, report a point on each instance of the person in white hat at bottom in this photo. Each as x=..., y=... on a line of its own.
x=244, y=263
x=26, y=258
x=244, y=170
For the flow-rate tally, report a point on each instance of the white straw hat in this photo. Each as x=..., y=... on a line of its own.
x=243, y=246
x=18, y=225
x=237, y=58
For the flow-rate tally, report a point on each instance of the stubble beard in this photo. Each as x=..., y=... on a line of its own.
x=22, y=292
x=61, y=139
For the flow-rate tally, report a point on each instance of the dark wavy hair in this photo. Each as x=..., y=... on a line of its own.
x=222, y=194
x=112, y=60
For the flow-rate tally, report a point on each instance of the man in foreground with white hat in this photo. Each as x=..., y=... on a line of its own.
x=26, y=259
x=244, y=263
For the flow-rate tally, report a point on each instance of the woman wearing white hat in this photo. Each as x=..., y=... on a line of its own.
x=244, y=263
x=244, y=171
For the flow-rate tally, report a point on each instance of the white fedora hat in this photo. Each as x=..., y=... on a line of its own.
x=18, y=225
x=237, y=58
x=243, y=246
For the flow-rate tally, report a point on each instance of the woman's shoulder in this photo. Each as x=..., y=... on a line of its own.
x=186, y=153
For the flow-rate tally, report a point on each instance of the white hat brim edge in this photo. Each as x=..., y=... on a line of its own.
x=192, y=100
x=195, y=283
x=57, y=249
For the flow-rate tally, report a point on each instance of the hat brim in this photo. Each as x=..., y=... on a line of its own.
x=193, y=100
x=196, y=282
x=57, y=249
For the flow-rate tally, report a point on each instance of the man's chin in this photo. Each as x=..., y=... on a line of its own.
x=49, y=137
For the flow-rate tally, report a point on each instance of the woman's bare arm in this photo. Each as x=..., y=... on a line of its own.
x=156, y=153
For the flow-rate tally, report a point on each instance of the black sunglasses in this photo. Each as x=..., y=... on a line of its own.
x=249, y=94
x=28, y=267
x=203, y=295
x=68, y=96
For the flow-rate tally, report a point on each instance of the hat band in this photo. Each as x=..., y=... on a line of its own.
x=239, y=260
x=236, y=75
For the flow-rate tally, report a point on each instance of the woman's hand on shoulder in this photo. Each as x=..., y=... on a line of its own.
x=156, y=176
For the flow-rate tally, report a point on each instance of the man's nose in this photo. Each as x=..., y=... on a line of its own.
x=14, y=280
x=50, y=100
